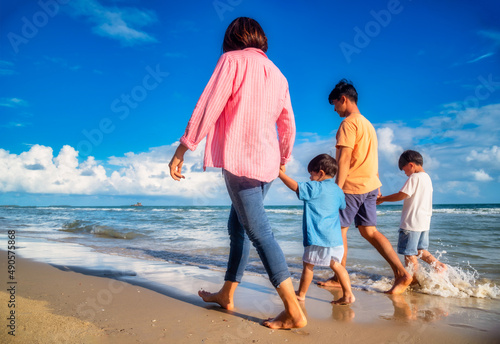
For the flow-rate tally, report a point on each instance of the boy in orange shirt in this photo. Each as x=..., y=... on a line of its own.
x=357, y=156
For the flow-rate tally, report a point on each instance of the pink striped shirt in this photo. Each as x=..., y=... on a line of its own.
x=243, y=104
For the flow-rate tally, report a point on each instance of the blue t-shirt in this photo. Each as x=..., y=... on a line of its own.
x=321, y=223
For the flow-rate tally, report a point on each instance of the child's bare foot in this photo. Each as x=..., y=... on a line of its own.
x=300, y=298
x=400, y=284
x=344, y=300
x=222, y=300
x=440, y=267
x=285, y=321
x=330, y=283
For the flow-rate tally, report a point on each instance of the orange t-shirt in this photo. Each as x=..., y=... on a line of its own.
x=358, y=133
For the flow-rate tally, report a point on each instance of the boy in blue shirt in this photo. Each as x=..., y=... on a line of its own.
x=321, y=224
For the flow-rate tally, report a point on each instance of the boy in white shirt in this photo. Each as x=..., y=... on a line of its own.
x=415, y=224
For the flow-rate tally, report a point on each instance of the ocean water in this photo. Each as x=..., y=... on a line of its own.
x=465, y=237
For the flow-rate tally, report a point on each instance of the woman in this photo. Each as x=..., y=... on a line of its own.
x=244, y=102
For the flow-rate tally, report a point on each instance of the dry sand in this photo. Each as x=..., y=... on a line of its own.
x=56, y=304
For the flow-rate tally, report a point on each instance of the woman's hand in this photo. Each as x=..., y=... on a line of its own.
x=176, y=163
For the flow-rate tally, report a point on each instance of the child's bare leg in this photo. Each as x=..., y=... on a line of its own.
x=292, y=316
x=305, y=280
x=224, y=297
x=334, y=281
x=427, y=257
x=345, y=282
x=413, y=261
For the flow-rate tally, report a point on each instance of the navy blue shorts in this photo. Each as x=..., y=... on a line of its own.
x=362, y=209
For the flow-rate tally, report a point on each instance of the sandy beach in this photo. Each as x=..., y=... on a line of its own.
x=67, y=304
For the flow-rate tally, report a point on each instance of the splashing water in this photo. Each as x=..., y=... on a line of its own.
x=455, y=282
x=452, y=282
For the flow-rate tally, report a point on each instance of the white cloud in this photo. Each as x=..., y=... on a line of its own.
x=467, y=190
x=7, y=68
x=62, y=62
x=488, y=155
x=304, y=151
x=148, y=173
x=456, y=145
x=460, y=149
x=481, y=57
x=464, y=164
x=491, y=34
x=15, y=125
x=481, y=176
x=386, y=147
x=13, y=102
x=39, y=171
x=122, y=23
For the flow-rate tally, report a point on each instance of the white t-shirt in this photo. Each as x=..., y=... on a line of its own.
x=417, y=208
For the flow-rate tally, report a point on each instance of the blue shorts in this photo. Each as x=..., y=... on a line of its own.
x=322, y=256
x=360, y=208
x=410, y=242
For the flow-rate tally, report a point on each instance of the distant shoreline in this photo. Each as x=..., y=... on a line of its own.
x=221, y=206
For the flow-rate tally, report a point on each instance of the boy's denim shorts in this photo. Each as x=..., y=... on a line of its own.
x=362, y=209
x=410, y=242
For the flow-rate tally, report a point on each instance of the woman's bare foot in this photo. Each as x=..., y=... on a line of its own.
x=330, y=283
x=400, y=284
x=223, y=300
x=344, y=300
x=285, y=321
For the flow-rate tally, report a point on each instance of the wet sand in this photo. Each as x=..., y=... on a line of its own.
x=57, y=303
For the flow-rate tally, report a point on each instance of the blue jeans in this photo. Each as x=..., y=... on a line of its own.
x=248, y=223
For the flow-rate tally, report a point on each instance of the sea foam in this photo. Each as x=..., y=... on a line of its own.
x=455, y=282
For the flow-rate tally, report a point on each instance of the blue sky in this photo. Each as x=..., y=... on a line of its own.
x=94, y=94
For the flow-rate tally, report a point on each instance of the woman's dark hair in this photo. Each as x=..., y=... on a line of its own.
x=410, y=156
x=343, y=88
x=244, y=33
x=323, y=162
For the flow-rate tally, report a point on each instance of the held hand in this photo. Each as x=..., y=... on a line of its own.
x=379, y=200
x=282, y=168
